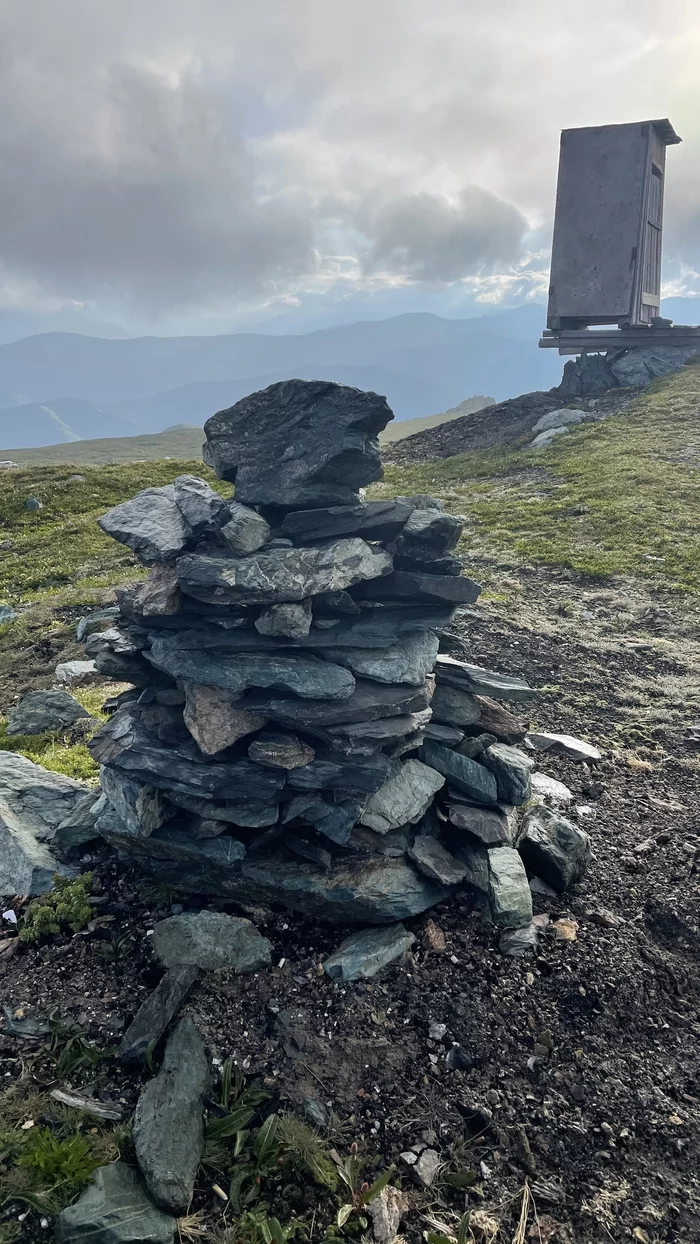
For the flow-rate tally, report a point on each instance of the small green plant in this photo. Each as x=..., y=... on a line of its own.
x=67, y=906
x=304, y=1151
x=255, y=1226
x=57, y=1161
x=70, y=1050
x=361, y=1192
x=464, y=1234
x=118, y=950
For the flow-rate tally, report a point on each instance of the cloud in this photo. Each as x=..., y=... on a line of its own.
x=222, y=154
x=428, y=238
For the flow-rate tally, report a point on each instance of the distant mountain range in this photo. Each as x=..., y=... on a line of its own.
x=64, y=386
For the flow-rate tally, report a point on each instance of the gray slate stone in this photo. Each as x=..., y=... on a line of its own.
x=302, y=674
x=159, y=594
x=369, y=701
x=44, y=710
x=495, y=719
x=154, y=1015
x=246, y=531
x=466, y=775
x=347, y=774
x=479, y=681
x=553, y=848
x=252, y=812
x=115, y=1209
x=476, y=745
x=210, y=940
x=432, y=859
x=374, y=628
x=362, y=738
x=75, y=673
x=7, y=614
x=564, y=745
x=409, y=661
x=641, y=366
x=79, y=826
x=509, y=893
x=37, y=798
x=373, y=891
x=547, y=789
x=476, y=861
x=292, y=620
x=168, y=1125
x=335, y=820
x=560, y=419
x=27, y=866
x=365, y=953
x=403, y=798
x=375, y=520
x=453, y=707
x=142, y=808
x=299, y=442
x=449, y=736
x=511, y=769
x=488, y=825
x=178, y=847
x=151, y=524
x=200, y=506
x=544, y=439
x=282, y=574
x=429, y=533
x=430, y=588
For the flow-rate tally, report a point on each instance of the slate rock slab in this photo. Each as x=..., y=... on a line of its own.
x=302, y=674
x=158, y=596
x=375, y=520
x=298, y=443
x=246, y=531
x=27, y=866
x=554, y=848
x=200, y=506
x=96, y=621
x=409, y=661
x=403, y=798
x=368, y=702
x=510, y=897
x=431, y=588
x=268, y=578
x=487, y=825
x=292, y=620
x=44, y=710
x=564, y=745
x=454, y=707
x=432, y=859
x=560, y=419
x=115, y=1209
x=168, y=1128
x=468, y=776
x=480, y=681
x=142, y=808
x=75, y=673
x=151, y=524
x=511, y=769
x=365, y=953
x=372, y=891
x=429, y=532
x=253, y=813
x=549, y=790
x=210, y=940
x=348, y=774
x=154, y=1015
x=36, y=797
x=449, y=736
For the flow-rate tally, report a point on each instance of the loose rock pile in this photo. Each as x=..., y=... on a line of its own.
x=293, y=733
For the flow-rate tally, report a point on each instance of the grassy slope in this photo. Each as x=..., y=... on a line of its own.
x=615, y=497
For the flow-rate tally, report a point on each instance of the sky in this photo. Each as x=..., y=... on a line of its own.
x=213, y=165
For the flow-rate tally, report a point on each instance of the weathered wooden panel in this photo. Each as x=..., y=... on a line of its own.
x=600, y=200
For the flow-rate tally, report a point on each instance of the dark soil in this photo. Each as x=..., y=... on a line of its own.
x=508, y=423
x=579, y=1064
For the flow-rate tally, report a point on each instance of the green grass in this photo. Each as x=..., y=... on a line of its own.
x=55, y=749
x=617, y=497
x=60, y=544
x=183, y=443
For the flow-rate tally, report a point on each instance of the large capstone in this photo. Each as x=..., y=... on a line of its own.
x=298, y=443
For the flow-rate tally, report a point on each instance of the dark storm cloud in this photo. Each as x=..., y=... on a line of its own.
x=428, y=238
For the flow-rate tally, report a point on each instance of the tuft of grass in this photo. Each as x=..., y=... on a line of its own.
x=616, y=497
x=52, y=751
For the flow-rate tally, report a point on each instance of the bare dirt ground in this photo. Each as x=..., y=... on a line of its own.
x=577, y=1066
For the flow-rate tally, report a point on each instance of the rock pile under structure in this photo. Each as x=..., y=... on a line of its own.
x=294, y=734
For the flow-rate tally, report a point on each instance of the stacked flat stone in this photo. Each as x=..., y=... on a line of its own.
x=284, y=740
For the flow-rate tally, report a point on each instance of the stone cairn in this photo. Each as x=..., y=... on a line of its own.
x=293, y=734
